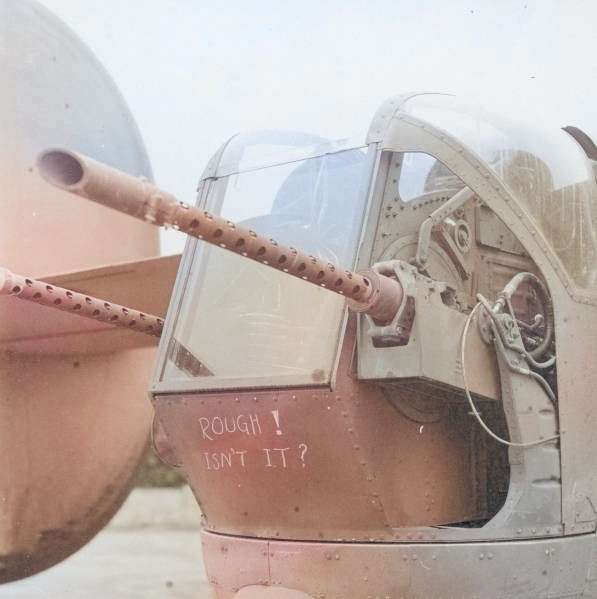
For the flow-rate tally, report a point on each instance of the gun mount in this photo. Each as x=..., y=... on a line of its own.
x=433, y=441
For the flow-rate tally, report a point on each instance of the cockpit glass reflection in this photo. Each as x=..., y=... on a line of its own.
x=242, y=323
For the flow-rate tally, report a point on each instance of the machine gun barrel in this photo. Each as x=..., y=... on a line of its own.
x=66, y=300
x=370, y=292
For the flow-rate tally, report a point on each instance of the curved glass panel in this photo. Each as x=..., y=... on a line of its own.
x=421, y=174
x=243, y=324
x=543, y=167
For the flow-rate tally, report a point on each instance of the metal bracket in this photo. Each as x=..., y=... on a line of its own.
x=534, y=493
x=397, y=332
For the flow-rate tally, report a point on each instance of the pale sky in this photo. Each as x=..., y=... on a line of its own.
x=194, y=72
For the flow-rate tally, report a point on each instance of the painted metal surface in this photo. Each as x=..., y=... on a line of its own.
x=390, y=469
x=409, y=482
x=509, y=569
x=389, y=464
x=55, y=92
x=315, y=463
x=74, y=415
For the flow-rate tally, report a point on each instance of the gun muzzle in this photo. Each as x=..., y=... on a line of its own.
x=369, y=292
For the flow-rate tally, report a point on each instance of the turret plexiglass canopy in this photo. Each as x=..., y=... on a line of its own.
x=240, y=322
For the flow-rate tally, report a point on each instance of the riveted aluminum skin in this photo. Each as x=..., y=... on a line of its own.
x=450, y=459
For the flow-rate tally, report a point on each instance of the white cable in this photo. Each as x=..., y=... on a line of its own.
x=470, y=399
